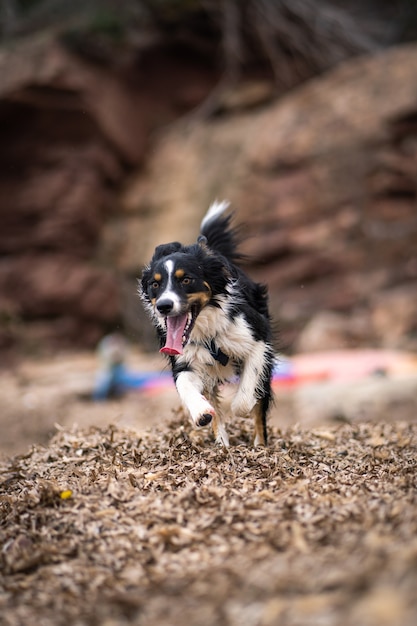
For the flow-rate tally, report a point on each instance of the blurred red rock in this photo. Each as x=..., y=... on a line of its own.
x=324, y=180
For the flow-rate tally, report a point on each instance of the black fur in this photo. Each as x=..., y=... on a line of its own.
x=213, y=322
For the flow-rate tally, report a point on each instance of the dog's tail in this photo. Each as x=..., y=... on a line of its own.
x=217, y=232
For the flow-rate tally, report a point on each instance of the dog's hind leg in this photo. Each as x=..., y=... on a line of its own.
x=259, y=414
x=261, y=408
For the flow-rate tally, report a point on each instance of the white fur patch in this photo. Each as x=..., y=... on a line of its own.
x=215, y=209
x=169, y=293
x=235, y=339
x=246, y=398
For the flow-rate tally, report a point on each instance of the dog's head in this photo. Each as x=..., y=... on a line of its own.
x=177, y=285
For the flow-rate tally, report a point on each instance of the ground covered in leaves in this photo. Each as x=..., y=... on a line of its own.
x=104, y=527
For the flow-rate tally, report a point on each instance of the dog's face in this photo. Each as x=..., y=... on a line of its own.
x=179, y=282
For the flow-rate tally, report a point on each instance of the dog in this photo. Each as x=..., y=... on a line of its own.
x=213, y=324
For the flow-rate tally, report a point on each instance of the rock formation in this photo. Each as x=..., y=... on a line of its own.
x=324, y=180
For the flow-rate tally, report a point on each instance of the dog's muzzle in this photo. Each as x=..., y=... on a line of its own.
x=165, y=306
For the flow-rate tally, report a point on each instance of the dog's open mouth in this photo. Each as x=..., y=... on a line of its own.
x=178, y=329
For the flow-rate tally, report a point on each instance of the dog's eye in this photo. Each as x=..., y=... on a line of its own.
x=155, y=285
x=186, y=280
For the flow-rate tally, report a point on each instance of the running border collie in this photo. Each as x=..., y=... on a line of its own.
x=213, y=324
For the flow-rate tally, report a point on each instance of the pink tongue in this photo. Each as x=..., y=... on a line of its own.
x=175, y=331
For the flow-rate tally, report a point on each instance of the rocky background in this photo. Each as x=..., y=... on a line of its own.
x=121, y=121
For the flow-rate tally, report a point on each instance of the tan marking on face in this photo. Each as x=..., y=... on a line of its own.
x=179, y=273
x=157, y=276
x=200, y=297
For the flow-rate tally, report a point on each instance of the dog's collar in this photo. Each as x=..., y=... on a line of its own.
x=217, y=353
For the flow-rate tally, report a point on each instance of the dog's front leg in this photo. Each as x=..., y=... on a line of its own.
x=254, y=392
x=190, y=387
x=250, y=381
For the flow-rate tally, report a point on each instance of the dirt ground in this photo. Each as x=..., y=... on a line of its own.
x=132, y=517
x=39, y=395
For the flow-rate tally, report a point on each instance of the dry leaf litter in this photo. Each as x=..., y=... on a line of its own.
x=108, y=527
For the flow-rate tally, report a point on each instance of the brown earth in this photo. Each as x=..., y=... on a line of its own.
x=39, y=395
x=103, y=526
x=128, y=516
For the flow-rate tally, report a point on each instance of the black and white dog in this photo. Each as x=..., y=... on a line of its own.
x=213, y=323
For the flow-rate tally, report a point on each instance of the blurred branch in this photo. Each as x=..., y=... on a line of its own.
x=291, y=40
x=8, y=17
x=231, y=39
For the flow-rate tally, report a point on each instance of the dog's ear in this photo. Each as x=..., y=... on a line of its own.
x=143, y=282
x=202, y=245
x=164, y=249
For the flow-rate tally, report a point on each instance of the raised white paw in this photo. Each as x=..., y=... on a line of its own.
x=204, y=420
x=204, y=417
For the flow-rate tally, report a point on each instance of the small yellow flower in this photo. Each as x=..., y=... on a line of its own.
x=64, y=495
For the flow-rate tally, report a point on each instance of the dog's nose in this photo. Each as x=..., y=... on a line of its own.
x=165, y=306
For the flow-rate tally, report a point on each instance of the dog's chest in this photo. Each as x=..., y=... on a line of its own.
x=218, y=343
